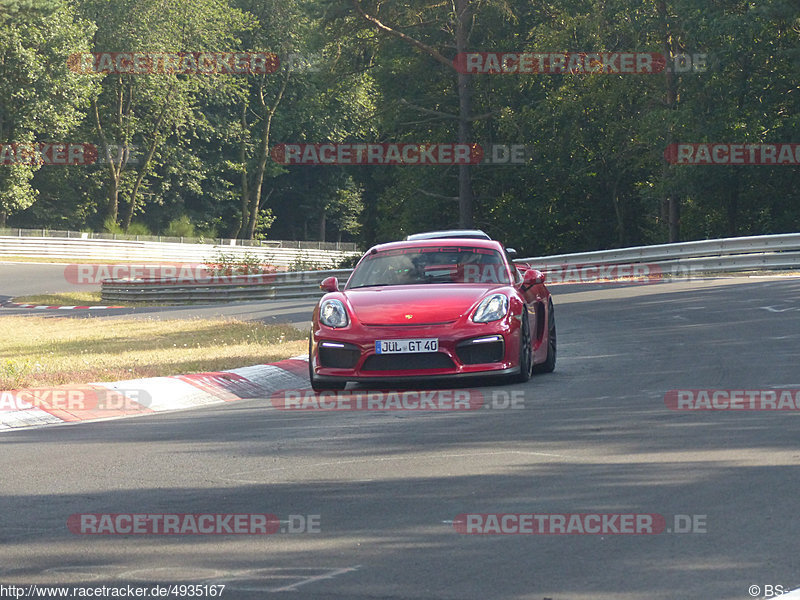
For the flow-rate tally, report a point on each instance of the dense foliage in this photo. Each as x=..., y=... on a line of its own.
x=191, y=153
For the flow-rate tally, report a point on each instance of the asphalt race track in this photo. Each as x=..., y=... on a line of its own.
x=18, y=279
x=594, y=437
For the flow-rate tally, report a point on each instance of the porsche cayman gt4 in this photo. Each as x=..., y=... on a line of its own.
x=434, y=305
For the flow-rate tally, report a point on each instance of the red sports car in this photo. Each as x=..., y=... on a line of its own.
x=432, y=306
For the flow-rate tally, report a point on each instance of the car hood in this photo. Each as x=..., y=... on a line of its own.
x=419, y=304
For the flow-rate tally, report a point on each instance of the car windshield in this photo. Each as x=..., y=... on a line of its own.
x=404, y=266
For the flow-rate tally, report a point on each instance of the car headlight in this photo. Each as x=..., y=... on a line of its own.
x=491, y=308
x=333, y=314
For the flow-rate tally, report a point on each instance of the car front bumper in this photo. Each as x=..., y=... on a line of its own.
x=474, y=349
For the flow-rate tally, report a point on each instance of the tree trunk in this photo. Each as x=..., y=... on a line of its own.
x=244, y=192
x=463, y=15
x=674, y=219
x=131, y=206
x=671, y=201
x=128, y=215
x=465, y=197
x=263, y=154
x=733, y=207
x=620, y=214
x=114, y=171
x=112, y=208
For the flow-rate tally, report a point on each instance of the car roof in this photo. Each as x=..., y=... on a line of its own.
x=449, y=233
x=441, y=242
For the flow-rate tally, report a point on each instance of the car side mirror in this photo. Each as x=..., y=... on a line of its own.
x=331, y=284
x=512, y=254
x=531, y=278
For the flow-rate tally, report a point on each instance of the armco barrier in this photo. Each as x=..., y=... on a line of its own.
x=752, y=245
x=69, y=234
x=229, y=288
x=732, y=255
x=139, y=251
x=687, y=259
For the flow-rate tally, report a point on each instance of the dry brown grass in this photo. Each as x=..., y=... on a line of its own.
x=64, y=299
x=43, y=351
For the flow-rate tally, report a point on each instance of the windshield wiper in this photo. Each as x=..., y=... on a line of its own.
x=354, y=287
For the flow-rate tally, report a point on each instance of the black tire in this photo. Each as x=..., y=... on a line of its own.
x=316, y=384
x=549, y=365
x=525, y=350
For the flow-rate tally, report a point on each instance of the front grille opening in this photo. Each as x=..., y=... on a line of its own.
x=413, y=361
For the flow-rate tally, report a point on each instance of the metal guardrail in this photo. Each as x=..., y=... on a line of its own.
x=88, y=235
x=225, y=288
x=688, y=259
x=138, y=251
x=664, y=252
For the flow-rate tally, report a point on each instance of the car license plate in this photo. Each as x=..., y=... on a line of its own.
x=406, y=346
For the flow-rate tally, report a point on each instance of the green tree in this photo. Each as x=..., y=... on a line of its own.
x=40, y=99
x=150, y=109
x=429, y=28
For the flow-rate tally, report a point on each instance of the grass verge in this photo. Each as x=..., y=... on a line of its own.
x=63, y=299
x=45, y=351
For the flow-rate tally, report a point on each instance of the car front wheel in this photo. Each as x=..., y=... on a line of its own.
x=549, y=365
x=525, y=350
